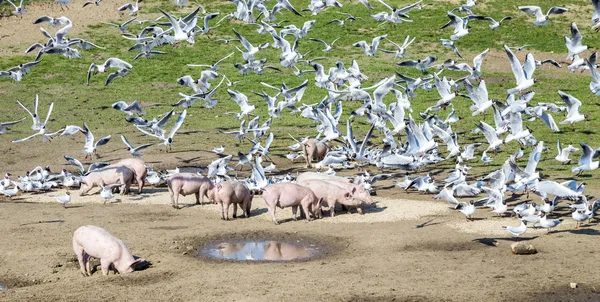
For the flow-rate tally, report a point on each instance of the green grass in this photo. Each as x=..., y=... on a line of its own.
x=62, y=80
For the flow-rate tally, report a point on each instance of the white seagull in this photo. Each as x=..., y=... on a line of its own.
x=540, y=18
x=135, y=151
x=523, y=74
x=563, y=153
x=133, y=8
x=64, y=199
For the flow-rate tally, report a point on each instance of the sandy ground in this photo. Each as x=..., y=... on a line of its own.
x=401, y=249
x=405, y=248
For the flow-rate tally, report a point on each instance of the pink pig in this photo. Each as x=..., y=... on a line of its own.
x=232, y=192
x=332, y=194
x=359, y=192
x=92, y=241
x=189, y=183
x=139, y=170
x=285, y=195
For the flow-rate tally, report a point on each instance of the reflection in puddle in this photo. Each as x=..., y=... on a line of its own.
x=260, y=251
x=2, y=287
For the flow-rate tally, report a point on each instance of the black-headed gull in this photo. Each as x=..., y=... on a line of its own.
x=563, y=153
x=129, y=109
x=573, y=107
x=122, y=66
x=123, y=26
x=370, y=49
x=64, y=199
x=55, y=22
x=516, y=231
x=549, y=223
x=573, y=43
x=586, y=162
x=328, y=47
x=96, y=3
x=495, y=24
x=19, y=10
x=400, y=51
x=90, y=145
x=135, y=151
x=4, y=126
x=523, y=74
x=16, y=73
x=540, y=18
x=133, y=8
x=168, y=140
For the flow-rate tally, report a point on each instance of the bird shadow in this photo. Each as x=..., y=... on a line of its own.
x=187, y=161
x=45, y=221
x=427, y=223
x=587, y=231
x=494, y=241
x=73, y=207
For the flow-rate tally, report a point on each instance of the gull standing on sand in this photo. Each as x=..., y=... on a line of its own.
x=64, y=199
x=516, y=231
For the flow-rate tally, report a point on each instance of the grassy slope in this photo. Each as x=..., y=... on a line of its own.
x=63, y=81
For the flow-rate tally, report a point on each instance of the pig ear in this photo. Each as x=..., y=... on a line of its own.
x=135, y=262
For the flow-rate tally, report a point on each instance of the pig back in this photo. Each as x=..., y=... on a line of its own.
x=188, y=180
x=97, y=242
x=137, y=165
x=110, y=175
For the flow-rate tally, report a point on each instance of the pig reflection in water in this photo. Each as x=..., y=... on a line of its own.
x=263, y=250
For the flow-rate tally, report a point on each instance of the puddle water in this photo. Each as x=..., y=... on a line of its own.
x=2, y=287
x=260, y=251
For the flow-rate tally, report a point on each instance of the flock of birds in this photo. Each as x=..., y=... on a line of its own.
x=339, y=84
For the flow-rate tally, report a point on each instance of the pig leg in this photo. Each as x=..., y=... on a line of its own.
x=171, y=191
x=86, y=190
x=200, y=195
x=235, y=206
x=272, y=212
x=140, y=183
x=127, y=187
x=87, y=261
x=79, y=253
x=176, y=204
x=222, y=210
x=105, y=264
x=246, y=207
x=294, y=212
x=307, y=211
x=331, y=207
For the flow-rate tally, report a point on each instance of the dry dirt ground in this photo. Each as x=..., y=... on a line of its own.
x=405, y=248
x=401, y=249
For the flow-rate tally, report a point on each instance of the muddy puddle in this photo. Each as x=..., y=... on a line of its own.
x=260, y=250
